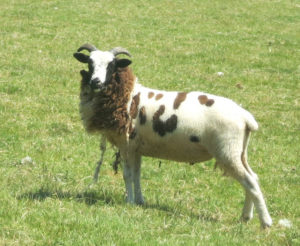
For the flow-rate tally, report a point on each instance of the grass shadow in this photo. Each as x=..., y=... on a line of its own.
x=93, y=197
x=181, y=211
x=87, y=197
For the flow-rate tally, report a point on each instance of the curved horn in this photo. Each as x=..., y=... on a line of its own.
x=88, y=47
x=119, y=50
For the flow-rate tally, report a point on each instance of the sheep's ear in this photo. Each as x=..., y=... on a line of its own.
x=81, y=57
x=123, y=63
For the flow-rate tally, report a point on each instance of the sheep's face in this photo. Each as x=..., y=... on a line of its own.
x=102, y=65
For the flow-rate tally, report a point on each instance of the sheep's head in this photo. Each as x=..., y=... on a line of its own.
x=102, y=64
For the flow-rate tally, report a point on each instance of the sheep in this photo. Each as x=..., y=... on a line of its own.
x=179, y=126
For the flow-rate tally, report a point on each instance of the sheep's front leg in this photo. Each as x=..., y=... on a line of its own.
x=128, y=177
x=138, y=197
x=131, y=174
x=102, y=149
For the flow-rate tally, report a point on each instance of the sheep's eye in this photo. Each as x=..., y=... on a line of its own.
x=111, y=66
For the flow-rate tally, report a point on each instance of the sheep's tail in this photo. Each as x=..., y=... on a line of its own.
x=250, y=121
x=251, y=125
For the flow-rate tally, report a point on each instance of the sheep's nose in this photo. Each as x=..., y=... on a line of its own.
x=95, y=81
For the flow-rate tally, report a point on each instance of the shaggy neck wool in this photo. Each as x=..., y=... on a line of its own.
x=107, y=109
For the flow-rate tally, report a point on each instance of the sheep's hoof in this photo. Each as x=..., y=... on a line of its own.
x=129, y=200
x=267, y=223
x=246, y=218
x=140, y=202
x=266, y=226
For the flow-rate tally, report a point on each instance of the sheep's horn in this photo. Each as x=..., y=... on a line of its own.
x=88, y=47
x=119, y=50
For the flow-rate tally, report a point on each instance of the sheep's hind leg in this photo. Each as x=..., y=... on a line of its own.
x=247, y=213
x=248, y=208
x=253, y=192
x=252, y=187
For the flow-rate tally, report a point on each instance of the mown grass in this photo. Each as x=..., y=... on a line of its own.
x=176, y=45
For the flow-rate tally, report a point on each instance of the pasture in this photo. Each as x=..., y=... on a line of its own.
x=176, y=45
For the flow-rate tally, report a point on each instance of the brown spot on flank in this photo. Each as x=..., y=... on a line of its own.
x=163, y=127
x=150, y=94
x=202, y=99
x=209, y=102
x=142, y=115
x=159, y=112
x=159, y=96
x=179, y=99
x=134, y=106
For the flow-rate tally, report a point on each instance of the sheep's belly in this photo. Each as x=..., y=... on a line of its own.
x=171, y=149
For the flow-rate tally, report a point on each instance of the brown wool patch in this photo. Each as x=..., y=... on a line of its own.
x=159, y=112
x=209, y=102
x=163, y=127
x=159, y=96
x=150, y=94
x=142, y=115
x=179, y=99
x=107, y=109
x=134, y=106
x=202, y=99
x=158, y=125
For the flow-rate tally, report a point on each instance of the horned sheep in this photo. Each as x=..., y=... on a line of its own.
x=185, y=127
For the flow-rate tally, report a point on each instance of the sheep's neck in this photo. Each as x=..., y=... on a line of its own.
x=108, y=108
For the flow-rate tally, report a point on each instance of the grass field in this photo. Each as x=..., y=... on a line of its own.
x=176, y=45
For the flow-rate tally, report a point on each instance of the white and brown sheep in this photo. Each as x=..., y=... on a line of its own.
x=186, y=127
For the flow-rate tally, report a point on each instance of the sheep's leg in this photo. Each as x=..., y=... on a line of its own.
x=246, y=165
x=138, y=197
x=128, y=178
x=248, y=205
x=131, y=174
x=248, y=208
x=102, y=149
x=252, y=187
x=253, y=193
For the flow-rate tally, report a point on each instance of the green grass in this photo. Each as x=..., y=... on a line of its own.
x=176, y=45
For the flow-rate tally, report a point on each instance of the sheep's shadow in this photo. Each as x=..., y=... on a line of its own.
x=87, y=197
x=93, y=197
x=175, y=211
